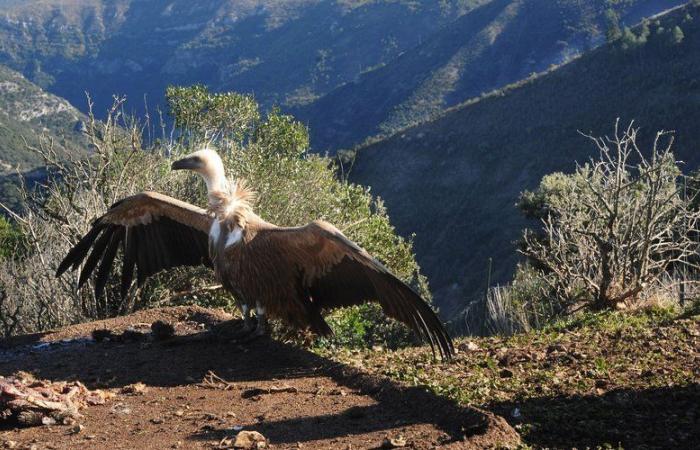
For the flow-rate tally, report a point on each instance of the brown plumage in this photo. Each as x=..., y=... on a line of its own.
x=292, y=274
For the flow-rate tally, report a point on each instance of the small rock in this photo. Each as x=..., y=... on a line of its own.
x=68, y=420
x=600, y=383
x=101, y=335
x=46, y=420
x=77, y=429
x=120, y=408
x=135, y=389
x=468, y=346
x=157, y=420
x=516, y=414
x=10, y=444
x=396, y=442
x=162, y=330
x=250, y=440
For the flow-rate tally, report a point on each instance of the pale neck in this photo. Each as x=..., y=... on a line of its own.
x=215, y=178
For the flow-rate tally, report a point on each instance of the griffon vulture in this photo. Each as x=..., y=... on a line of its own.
x=292, y=274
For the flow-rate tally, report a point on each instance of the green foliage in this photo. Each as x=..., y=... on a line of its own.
x=612, y=229
x=677, y=35
x=11, y=240
x=612, y=22
x=630, y=40
x=207, y=115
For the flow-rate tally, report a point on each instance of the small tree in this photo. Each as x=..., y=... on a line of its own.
x=614, y=226
x=612, y=21
x=677, y=35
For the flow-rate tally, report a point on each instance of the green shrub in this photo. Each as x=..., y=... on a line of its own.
x=11, y=240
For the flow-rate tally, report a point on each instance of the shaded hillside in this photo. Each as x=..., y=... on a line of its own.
x=454, y=181
x=285, y=52
x=26, y=113
x=499, y=43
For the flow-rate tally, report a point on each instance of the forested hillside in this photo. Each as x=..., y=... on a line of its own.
x=349, y=68
x=496, y=44
x=286, y=52
x=454, y=181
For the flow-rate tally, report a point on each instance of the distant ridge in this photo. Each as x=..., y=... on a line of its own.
x=497, y=43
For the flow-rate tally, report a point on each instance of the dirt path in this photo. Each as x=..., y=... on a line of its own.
x=294, y=398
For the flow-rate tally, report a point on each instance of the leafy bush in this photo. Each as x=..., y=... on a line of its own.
x=613, y=229
x=294, y=187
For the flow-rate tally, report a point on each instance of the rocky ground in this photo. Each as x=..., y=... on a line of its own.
x=610, y=380
x=607, y=380
x=193, y=390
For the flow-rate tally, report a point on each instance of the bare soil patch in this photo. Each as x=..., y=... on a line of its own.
x=194, y=392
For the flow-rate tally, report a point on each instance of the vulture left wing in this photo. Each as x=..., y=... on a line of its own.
x=156, y=232
x=337, y=272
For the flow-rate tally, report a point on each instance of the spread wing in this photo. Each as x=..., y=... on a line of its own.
x=155, y=232
x=337, y=273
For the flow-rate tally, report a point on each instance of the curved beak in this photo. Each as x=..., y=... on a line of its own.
x=187, y=163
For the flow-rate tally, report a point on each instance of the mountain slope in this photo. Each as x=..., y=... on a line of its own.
x=26, y=113
x=454, y=181
x=499, y=43
x=284, y=52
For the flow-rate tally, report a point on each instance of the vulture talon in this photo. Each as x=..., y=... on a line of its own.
x=292, y=273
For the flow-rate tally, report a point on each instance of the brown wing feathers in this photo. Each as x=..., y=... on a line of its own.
x=352, y=283
x=150, y=240
x=347, y=275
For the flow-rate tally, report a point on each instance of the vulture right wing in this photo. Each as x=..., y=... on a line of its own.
x=337, y=272
x=156, y=232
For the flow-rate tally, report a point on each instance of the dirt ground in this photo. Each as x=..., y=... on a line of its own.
x=200, y=392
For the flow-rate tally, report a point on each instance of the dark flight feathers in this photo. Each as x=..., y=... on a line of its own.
x=152, y=241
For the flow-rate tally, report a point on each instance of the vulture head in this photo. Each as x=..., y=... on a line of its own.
x=208, y=164
x=227, y=200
